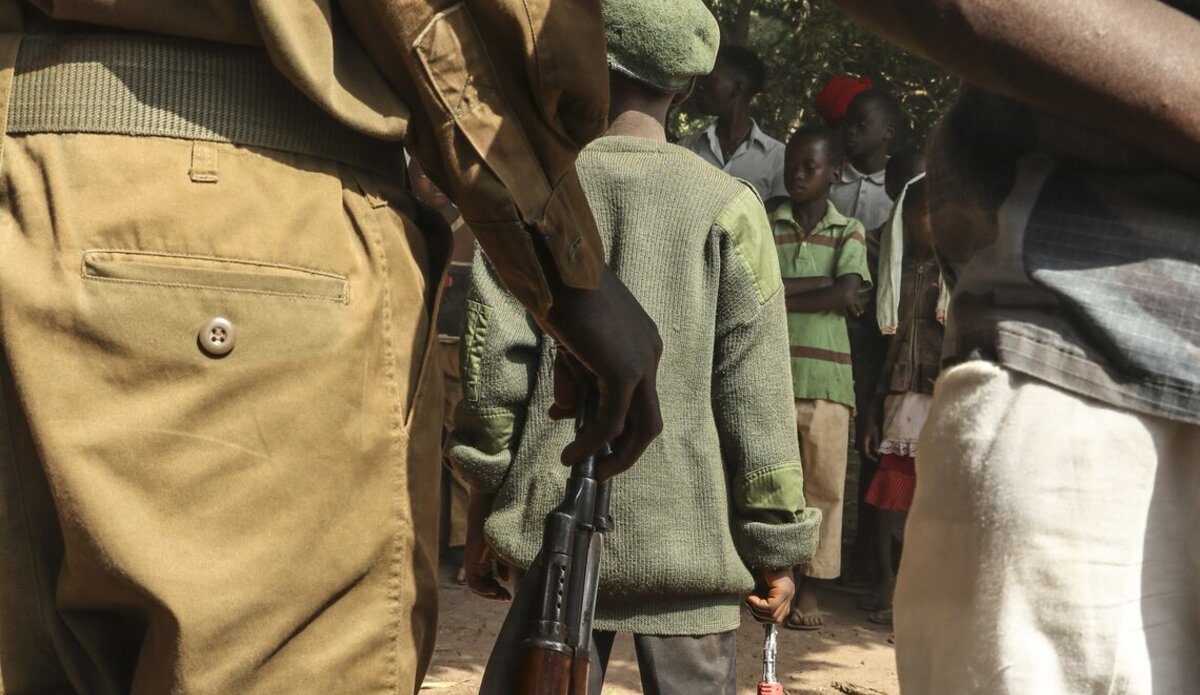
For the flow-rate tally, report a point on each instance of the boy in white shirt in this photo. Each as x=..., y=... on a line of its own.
x=873, y=121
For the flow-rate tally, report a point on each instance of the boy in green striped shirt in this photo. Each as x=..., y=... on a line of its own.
x=823, y=260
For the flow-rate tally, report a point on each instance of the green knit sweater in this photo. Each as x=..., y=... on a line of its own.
x=720, y=491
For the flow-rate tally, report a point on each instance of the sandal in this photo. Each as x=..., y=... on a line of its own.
x=800, y=621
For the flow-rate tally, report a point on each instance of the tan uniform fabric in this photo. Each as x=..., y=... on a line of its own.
x=263, y=522
x=824, y=431
x=1051, y=547
x=497, y=122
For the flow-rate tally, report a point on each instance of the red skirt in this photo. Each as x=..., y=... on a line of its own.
x=894, y=483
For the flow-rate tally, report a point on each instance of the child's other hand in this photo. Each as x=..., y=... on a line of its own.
x=481, y=576
x=868, y=444
x=478, y=559
x=771, y=602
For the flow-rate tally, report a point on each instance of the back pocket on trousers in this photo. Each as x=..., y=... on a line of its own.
x=214, y=273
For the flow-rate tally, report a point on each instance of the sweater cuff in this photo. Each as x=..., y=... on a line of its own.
x=776, y=546
x=479, y=471
x=478, y=449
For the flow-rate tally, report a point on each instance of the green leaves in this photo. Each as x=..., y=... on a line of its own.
x=804, y=43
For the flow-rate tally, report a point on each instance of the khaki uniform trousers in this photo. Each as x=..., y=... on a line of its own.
x=824, y=431
x=176, y=521
x=1052, y=546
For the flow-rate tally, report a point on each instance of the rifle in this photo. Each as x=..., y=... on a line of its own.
x=553, y=608
x=769, y=685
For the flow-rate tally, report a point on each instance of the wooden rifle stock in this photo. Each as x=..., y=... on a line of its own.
x=556, y=656
x=546, y=670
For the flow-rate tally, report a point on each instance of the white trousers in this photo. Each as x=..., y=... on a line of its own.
x=1053, y=546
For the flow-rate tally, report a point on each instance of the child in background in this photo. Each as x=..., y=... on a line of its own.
x=902, y=167
x=717, y=501
x=868, y=347
x=823, y=258
x=903, y=397
x=734, y=142
x=834, y=99
x=873, y=123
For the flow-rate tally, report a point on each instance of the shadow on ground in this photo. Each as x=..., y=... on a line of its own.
x=848, y=650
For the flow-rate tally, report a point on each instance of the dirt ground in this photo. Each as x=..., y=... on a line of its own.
x=849, y=651
x=849, y=656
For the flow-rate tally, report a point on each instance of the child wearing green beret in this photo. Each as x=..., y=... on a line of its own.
x=716, y=504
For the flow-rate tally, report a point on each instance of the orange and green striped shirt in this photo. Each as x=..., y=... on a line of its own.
x=820, y=344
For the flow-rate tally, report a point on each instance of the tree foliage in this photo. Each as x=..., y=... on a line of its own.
x=804, y=43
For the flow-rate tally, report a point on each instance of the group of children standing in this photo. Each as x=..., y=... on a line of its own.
x=742, y=493
x=850, y=255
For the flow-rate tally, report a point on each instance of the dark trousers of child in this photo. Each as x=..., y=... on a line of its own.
x=868, y=348
x=673, y=664
x=668, y=664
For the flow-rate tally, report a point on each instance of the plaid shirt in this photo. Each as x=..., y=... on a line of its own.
x=1074, y=259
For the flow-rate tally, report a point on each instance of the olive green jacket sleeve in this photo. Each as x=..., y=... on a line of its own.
x=494, y=97
x=499, y=351
x=752, y=396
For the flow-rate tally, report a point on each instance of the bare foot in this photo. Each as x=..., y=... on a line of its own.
x=806, y=611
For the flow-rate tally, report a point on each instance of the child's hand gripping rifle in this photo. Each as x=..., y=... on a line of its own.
x=556, y=656
x=552, y=613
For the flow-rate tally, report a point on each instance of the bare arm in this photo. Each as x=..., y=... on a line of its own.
x=869, y=439
x=841, y=296
x=1127, y=68
x=797, y=286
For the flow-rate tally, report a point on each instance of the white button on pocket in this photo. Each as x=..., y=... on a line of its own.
x=217, y=337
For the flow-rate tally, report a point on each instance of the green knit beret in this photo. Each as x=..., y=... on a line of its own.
x=663, y=43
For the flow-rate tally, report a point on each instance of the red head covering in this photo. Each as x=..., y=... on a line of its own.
x=833, y=101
